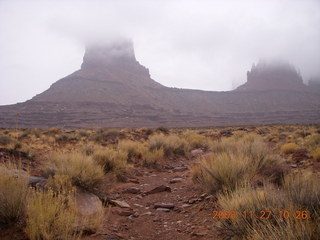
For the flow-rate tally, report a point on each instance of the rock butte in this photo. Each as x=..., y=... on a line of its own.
x=112, y=89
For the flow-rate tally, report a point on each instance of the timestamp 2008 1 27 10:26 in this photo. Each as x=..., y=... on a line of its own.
x=263, y=214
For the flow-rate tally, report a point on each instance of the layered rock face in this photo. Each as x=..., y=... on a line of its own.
x=112, y=89
x=109, y=73
x=273, y=76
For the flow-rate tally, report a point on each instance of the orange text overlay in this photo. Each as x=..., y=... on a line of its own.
x=263, y=214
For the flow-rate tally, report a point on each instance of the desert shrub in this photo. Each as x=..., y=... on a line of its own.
x=30, y=132
x=152, y=157
x=232, y=164
x=215, y=173
x=133, y=149
x=195, y=140
x=17, y=146
x=303, y=134
x=251, y=226
x=146, y=131
x=170, y=144
x=225, y=145
x=290, y=229
x=83, y=134
x=112, y=160
x=60, y=184
x=13, y=193
x=163, y=129
x=289, y=148
x=82, y=170
x=314, y=141
x=106, y=134
x=51, y=216
x=304, y=190
x=316, y=154
x=5, y=140
x=88, y=149
x=246, y=199
x=62, y=138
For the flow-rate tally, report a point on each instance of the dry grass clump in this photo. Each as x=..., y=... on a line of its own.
x=88, y=149
x=82, y=169
x=290, y=229
x=316, y=154
x=171, y=144
x=152, y=157
x=289, y=148
x=132, y=148
x=51, y=216
x=5, y=140
x=304, y=190
x=112, y=160
x=106, y=134
x=215, y=172
x=60, y=183
x=13, y=194
x=163, y=129
x=195, y=140
x=314, y=141
x=232, y=164
x=245, y=199
x=274, y=227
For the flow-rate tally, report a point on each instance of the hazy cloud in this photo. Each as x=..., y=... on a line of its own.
x=187, y=44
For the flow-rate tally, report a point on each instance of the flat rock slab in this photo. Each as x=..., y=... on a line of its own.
x=119, y=203
x=123, y=212
x=176, y=180
x=163, y=209
x=161, y=188
x=180, y=169
x=164, y=205
x=132, y=190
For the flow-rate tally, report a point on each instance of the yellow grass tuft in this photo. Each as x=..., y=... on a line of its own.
x=51, y=216
x=250, y=205
x=233, y=163
x=13, y=193
x=112, y=160
x=195, y=140
x=289, y=148
x=316, y=154
x=171, y=144
x=82, y=169
x=152, y=157
x=304, y=190
x=132, y=148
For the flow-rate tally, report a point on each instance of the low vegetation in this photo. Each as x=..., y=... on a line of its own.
x=171, y=144
x=231, y=170
x=112, y=161
x=247, y=156
x=82, y=169
x=51, y=216
x=265, y=214
x=289, y=148
x=247, y=170
x=13, y=194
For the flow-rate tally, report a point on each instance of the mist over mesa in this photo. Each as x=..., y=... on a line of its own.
x=208, y=45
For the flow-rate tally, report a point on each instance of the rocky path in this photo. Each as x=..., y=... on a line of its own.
x=163, y=205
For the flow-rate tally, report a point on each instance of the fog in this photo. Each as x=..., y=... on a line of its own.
x=208, y=45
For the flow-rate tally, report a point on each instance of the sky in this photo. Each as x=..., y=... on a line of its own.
x=196, y=44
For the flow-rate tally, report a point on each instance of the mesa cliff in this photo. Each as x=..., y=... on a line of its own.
x=112, y=89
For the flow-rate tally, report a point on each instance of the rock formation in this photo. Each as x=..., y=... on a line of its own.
x=112, y=89
x=273, y=76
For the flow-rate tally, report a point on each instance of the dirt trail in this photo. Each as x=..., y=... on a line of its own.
x=185, y=214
